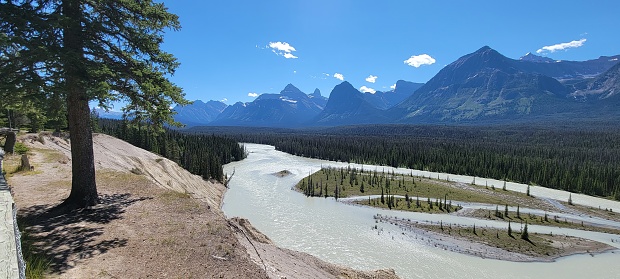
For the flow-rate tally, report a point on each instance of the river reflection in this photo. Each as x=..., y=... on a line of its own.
x=342, y=234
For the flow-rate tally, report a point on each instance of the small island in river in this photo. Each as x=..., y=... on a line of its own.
x=433, y=196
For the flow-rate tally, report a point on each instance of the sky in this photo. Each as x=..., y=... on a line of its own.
x=236, y=50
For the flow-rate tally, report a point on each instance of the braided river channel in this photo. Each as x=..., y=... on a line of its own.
x=343, y=234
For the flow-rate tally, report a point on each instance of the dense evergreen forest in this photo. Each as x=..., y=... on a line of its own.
x=574, y=159
x=202, y=155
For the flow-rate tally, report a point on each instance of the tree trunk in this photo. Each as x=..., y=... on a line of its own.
x=9, y=144
x=25, y=163
x=83, y=185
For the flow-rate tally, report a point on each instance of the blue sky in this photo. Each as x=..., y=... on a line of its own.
x=232, y=50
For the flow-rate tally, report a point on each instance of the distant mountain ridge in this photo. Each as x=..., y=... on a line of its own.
x=198, y=113
x=478, y=88
x=290, y=108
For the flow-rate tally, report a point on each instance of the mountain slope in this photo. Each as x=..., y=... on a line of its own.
x=600, y=96
x=346, y=105
x=482, y=86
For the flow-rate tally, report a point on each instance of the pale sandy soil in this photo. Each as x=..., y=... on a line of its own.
x=160, y=223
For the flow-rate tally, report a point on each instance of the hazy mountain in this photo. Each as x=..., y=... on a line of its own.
x=482, y=86
x=118, y=115
x=346, y=105
x=198, y=113
x=290, y=108
x=388, y=99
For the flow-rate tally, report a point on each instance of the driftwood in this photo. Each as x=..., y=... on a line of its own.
x=227, y=179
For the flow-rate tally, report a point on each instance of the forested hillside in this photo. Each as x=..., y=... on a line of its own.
x=203, y=155
x=584, y=161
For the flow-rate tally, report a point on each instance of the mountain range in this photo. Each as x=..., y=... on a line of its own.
x=481, y=87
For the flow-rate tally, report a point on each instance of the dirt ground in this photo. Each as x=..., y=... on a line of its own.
x=155, y=220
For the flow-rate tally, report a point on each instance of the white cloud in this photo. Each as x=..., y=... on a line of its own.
x=367, y=90
x=561, y=46
x=393, y=86
x=281, y=46
x=371, y=79
x=326, y=74
x=224, y=100
x=419, y=60
x=339, y=76
x=283, y=49
x=252, y=94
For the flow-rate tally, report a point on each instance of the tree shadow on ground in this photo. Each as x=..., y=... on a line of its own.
x=65, y=238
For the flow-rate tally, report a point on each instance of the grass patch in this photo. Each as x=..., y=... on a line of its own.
x=353, y=182
x=11, y=164
x=37, y=264
x=174, y=195
x=51, y=156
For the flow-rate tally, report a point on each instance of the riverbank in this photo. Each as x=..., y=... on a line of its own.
x=148, y=203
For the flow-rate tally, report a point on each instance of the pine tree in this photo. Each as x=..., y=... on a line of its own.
x=336, y=193
x=509, y=229
x=570, y=199
x=90, y=50
x=408, y=200
x=506, y=211
x=527, y=192
x=525, y=235
x=518, y=214
x=326, y=192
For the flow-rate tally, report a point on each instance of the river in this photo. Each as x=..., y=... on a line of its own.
x=342, y=234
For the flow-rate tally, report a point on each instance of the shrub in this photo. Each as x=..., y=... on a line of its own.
x=20, y=148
